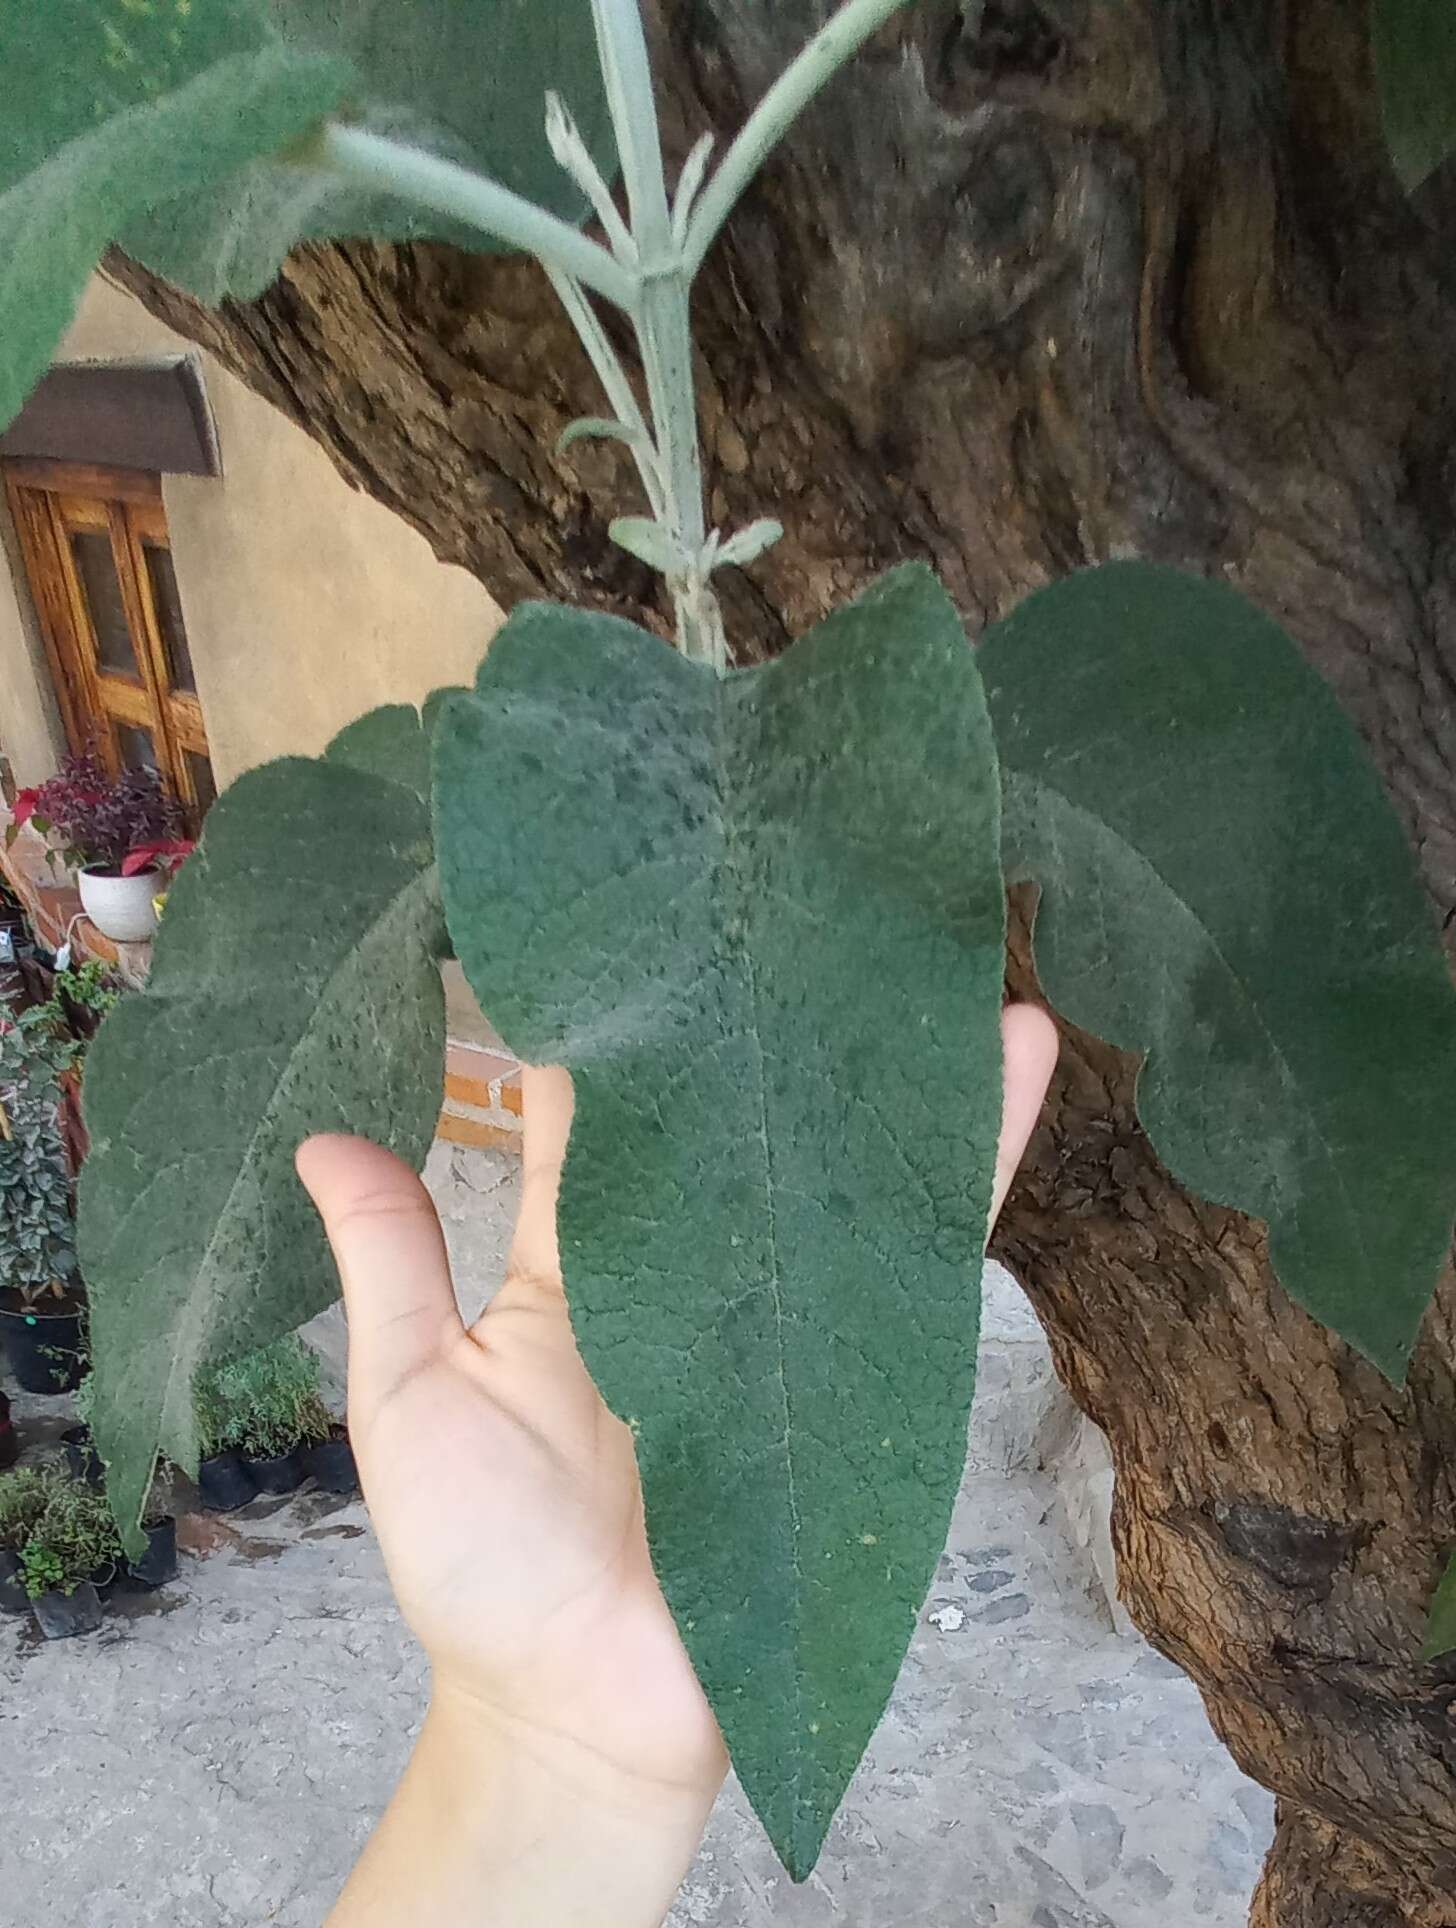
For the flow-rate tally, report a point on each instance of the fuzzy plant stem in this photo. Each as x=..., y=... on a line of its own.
x=662, y=319
x=648, y=270
x=836, y=43
x=391, y=167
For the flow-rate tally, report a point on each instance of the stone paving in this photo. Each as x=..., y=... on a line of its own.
x=216, y=1755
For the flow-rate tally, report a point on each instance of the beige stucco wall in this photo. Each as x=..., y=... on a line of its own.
x=306, y=602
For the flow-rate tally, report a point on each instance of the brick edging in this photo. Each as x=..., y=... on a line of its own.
x=482, y=1098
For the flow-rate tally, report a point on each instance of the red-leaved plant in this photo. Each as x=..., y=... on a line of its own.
x=167, y=857
x=92, y=820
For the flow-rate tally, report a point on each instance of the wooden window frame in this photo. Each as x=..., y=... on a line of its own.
x=49, y=502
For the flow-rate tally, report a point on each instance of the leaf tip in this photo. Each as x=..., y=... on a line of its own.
x=804, y=1844
x=1390, y=1357
x=1414, y=164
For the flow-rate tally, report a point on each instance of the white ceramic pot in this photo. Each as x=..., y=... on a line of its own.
x=121, y=908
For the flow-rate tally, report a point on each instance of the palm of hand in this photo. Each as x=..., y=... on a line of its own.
x=504, y=1492
x=511, y=1520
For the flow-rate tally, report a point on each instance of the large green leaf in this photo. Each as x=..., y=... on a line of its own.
x=762, y=920
x=296, y=988
x=71, y=66
x=466, y=79
x=161, y=123
x=89, y=138
x=1226, y=887
x=1415, y=62
x=1441, y=1628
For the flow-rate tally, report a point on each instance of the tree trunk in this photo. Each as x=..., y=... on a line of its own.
x=1037, y=285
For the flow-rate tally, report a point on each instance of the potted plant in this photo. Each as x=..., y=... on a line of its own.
x=93, y=823
x=223, y=1481
x=80, y=998
x=71, y=1547
x=159, y=1563
x=24, y=1493
x=329, y=1462
x=41, y=1306
x=83, y=996
x=273, y=1395
x=261, y=1413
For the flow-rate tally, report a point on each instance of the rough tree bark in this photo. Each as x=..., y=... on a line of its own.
x=1041, y=283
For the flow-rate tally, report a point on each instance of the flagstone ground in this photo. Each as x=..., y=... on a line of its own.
x=216, y=1755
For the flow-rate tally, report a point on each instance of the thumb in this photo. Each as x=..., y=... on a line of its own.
x=390, y=1251
x=1030, y=1045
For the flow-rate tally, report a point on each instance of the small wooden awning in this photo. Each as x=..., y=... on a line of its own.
x=120, y=414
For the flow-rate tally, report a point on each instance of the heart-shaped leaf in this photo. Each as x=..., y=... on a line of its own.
x=1226, y=887
x=1415, y=63
x=389, y=743
x=109, y=110
x=465, y=79
x=296, y=988
x=762, y=920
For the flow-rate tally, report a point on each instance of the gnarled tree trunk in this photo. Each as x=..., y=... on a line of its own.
x=1037, y=285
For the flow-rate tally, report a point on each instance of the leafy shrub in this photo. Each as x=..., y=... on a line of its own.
x=37, y=1224
x=71, y=1016
x=262, y=1405
x=24, y=1493
x=42, y=1571
x=74, y=1538
x=85, y=995
x=90, y=817
x=91, y=985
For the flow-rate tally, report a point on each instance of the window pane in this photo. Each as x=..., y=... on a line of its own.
x=200, y=771
x=135, y=746
x=168, y=605
x=97, y=569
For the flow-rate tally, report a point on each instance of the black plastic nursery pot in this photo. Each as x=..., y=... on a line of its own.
x=158, y=1564
x=82, y=1460
x=9, y=1444
x=46, y=1349
x=106, y=1579
x=283, y=1474
x=224, y=1483
x=61, y=1616
x=330, y=1463
x=13, y=1596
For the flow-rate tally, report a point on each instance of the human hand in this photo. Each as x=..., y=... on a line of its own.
x=507, y=1502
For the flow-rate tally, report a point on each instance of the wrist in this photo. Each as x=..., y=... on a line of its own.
x=495, y=1756
x=501, y=1823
